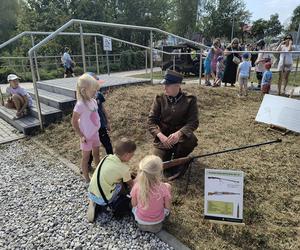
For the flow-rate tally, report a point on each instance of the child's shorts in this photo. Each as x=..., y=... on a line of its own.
x=265, y=88
x=91, y=143
x=100, y=201
x=243, y=81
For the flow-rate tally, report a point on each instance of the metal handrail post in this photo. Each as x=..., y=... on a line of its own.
x=174, y=58
x=146, y=61
x=82, y=48
x=35, y=59
x=297, y=64
x=107, y=63
x=97, y=61
x=151, y=55
x=38, y=105
x=200, y=67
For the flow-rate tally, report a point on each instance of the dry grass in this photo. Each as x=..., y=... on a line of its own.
x=271, y=193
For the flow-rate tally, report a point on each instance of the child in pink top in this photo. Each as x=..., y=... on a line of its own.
x=86, y=121
x=150, y=197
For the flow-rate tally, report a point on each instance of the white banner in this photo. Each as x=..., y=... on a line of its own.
x=280, y=111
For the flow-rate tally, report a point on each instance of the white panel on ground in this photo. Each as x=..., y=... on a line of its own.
x=280, y=111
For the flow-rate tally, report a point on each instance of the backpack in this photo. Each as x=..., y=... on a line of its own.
x=121, y=205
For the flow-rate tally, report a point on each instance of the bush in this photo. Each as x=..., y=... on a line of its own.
x=4, y=72
x=132, y=60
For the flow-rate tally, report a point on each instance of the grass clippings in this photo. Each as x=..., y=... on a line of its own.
x=271, y=190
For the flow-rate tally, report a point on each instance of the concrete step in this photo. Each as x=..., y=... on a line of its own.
x=59, y=87
x=27, y=125
x=49, y=114
x=62, y=102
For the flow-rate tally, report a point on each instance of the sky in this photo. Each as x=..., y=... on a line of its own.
x=265, y=8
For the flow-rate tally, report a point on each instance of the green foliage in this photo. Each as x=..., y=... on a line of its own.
x=258, y=28
x=219, y=16
x=9, y=9
x=262, y=28
x=295, y=21
x=132, y=60
x=184, y=17
x=4, y=72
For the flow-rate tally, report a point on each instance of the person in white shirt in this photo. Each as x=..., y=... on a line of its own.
x=285, y=64
x=243, y=74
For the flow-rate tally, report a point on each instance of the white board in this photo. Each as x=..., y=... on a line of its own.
x=280, y=111
x=223, y=195
x=107, y=44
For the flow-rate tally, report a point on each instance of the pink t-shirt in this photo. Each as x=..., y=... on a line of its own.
x=89, y=121
x=159, y=195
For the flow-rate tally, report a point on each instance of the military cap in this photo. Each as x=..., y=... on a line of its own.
x=172, y=77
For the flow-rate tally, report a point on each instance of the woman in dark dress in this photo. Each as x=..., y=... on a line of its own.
x=231, y=66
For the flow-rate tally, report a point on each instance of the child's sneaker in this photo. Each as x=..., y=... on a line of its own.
x=91, y=211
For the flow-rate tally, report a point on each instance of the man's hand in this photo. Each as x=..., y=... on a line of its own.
x=164, y=140
x=174, y=138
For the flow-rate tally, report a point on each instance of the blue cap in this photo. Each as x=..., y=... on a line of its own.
x=246, y=55
x=172, y=77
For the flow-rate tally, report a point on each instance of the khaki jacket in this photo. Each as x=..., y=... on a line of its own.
x=167, y=117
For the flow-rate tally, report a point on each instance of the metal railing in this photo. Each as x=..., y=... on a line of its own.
x=33, y=50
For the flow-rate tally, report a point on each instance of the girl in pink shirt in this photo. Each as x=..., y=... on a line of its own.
x=86, y=121
x=150, y=197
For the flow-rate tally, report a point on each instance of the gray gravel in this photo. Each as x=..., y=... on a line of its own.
x=43, y=206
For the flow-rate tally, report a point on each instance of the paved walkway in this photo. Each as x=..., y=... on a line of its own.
x=8, y=133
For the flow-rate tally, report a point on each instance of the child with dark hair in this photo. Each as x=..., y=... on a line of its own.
x=114, y=173
x=105, y=125
x=267, y=79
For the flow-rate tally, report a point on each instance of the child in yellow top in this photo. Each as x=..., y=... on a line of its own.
x=114, y=172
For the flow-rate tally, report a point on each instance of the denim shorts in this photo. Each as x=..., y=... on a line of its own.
x=100, y=201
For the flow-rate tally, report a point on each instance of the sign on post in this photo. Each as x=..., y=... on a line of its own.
x=223, y=199
x=107, y=44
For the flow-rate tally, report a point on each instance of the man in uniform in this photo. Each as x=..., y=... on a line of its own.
x=172, y=119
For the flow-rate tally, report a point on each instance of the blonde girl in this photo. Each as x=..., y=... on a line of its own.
x=150, y=197
x=86, y=121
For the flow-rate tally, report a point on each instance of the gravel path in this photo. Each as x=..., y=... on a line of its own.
x=43, y=206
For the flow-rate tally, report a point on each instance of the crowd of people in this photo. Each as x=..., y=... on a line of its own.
x=234, y=63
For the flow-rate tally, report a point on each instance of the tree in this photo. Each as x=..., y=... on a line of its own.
x=220, y=15
x=262, y=28
x=258, y=28
x=274, y=26
x=295, y=21
x=184, y=17
x=9, y=10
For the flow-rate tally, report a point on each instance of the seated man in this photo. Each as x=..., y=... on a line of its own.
x=114, y=172
x=172, y=119
x=18, y=98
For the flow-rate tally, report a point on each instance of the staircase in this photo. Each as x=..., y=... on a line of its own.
x=57, y=98
x=53, y=106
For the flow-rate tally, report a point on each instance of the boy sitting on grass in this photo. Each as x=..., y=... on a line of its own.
x=18, y=98
x=114, y=172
